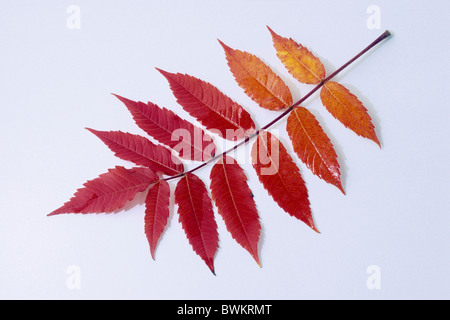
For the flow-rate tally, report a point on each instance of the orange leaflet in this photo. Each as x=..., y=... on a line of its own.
x=259, y=82
x=234, y=200
x=313, y=146
x=299, y=61
x=281, y=177
x=346, y=107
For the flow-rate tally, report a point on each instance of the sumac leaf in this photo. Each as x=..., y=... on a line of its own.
x=281, y=177
x=196, y=216
x=234, y=200
x=257, y=79
x=298, y=60
x=345, y=106
x=188, y=140
x=313, y=146
x=141, y=151
x=109, y=192
x=211, y=107
x=156, y=213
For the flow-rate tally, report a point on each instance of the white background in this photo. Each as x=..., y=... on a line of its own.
x=55, y=81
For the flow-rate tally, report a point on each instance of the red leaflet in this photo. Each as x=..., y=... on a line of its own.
x=313, y=146
x=211, y=107
x=156, y=213
x=197, y=217
x=109, y=192
x=141, y=151
x=346, y=107
x=191, y=142
x=281, y=177
x=234, y=200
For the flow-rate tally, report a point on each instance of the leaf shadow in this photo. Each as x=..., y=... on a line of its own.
x=138, y=200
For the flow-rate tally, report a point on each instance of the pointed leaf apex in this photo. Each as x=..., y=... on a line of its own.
x=152, y=253
x=163, y=72
x=166, y=74
x=91, y=130
x=312, y=225
x=124, y=100
x=271, y=31
x=341, y=188
x=375, y=139
x=224, y=46
x=275, y=36
x=257, y=260
x=211, y=267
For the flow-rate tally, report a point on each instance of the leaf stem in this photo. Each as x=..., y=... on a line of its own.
x=385, y=35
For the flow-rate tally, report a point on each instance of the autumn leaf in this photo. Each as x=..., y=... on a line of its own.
x=298, y=60
x=141, y=151
x=234, y=200
x=346, y=107
x=191, y=142
x=258, y=80
x=211, y=107
x=275, y=168
x=281, y=177
x=109, y=192
x=196, y=216
x=156, y=213
x=313, y=146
